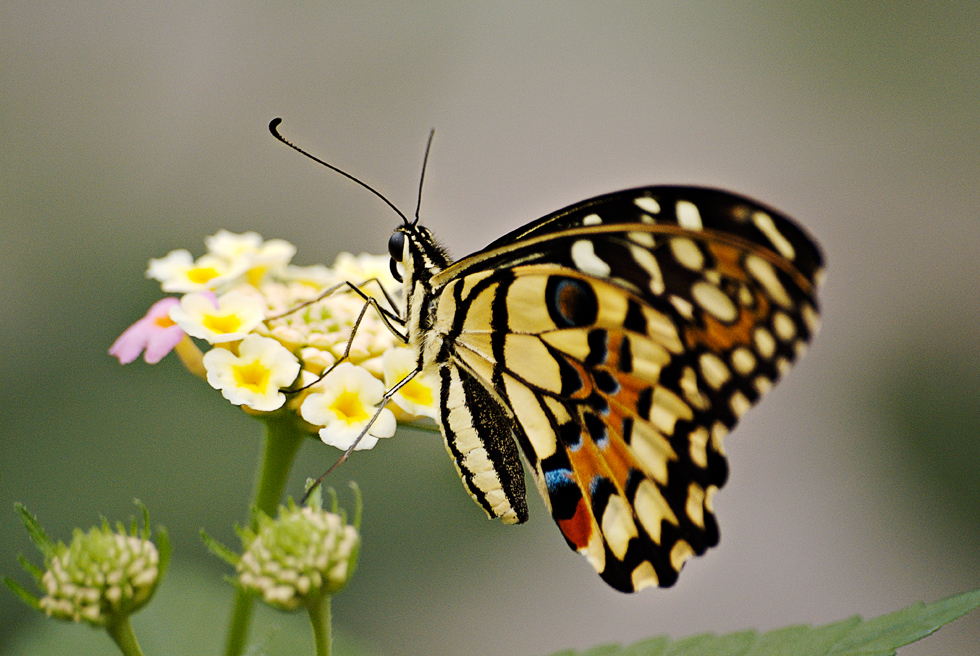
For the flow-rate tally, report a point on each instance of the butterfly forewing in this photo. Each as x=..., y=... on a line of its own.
x=618, y=340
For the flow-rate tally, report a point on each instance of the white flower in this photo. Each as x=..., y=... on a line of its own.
x=316, y=275
x=349, y=400
x=231, y=318
x=231, y=246
x=255, y=376
x=248, y=253
x=364, y=267
x=417, y=396
x=179, y=272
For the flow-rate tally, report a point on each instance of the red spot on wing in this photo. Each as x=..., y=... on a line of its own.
x=578, y=529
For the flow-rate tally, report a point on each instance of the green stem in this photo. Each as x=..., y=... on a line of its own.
x=282, y=441
x=319, y=612
x=122, y=634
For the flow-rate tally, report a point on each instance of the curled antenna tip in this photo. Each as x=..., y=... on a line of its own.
x=274, y=124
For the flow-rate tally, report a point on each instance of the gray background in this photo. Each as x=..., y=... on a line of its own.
x=132, y=129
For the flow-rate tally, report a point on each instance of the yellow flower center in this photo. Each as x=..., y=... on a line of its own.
x=418, y=393
x=223, y=325
x=254, y=376
x=349, y=408
x=164, y=322
x=201, y=275
x=256, y=274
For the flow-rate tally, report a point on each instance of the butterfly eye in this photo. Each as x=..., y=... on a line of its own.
x=396, y=246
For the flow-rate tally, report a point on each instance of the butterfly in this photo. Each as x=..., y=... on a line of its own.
x=615, y=343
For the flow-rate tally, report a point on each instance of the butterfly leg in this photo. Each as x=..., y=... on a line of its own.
x=346, y=454
x=386, y=315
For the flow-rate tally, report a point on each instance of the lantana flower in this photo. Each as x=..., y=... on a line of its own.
x=228, y=319
x=255, y=375
x=275, y=328
x=349, y=400
x=257, y=257
x=154, y=335
x=179, y=272
x=416, y=397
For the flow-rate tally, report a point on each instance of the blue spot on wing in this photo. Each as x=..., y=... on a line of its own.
x=559, y=479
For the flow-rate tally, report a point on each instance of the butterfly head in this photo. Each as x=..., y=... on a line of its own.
x=416, y=250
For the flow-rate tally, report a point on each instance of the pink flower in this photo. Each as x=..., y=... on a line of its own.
x=155, y=333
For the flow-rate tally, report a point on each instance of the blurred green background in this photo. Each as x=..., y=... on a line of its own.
x=130, y=129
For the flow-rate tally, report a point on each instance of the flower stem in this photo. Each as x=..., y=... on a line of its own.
x=282, y=441
x=122, y=634
x=319, y=612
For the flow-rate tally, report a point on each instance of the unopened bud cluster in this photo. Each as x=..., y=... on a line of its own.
x=102, y=574
x=302, y=555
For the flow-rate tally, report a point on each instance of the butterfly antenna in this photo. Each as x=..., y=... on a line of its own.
x=274, y=129
x=425, y=160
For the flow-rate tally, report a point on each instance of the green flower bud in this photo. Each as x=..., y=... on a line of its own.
x=101, y=575
x=300, y=556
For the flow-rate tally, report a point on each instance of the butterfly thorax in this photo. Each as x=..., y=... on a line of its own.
x=421, y=259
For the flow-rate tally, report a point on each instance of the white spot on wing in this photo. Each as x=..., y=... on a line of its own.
x=739, y=404
x=810, y=317
x=714, y=301
x=642, y=238
x=592, y=219
x=718, y=433
x=647, y=204
x=767, y=226
x=652, y=509
x=687, y=253
x=764, y=342
x=644, y=576
x=688, y=215
x=679, y=554
x=763, y=272
x=683, y=306
x=648, y=263
x=617, y=525
x=699, y=446
x=583, y=254
x=713, y=370
x=784, y=326
x=743, y=360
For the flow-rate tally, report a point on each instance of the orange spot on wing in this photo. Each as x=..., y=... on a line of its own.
x=718, y=336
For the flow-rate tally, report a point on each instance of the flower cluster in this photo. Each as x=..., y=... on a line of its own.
x=101, y=577
x=278, y=334
x=303, y=554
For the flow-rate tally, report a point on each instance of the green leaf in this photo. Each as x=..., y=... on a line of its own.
x=881, y=636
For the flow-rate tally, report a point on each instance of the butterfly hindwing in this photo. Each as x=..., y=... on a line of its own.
x=608, y=440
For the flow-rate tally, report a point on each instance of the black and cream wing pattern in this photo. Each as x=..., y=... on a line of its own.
x=615, y=343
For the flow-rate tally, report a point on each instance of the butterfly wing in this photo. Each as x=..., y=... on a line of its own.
x=620, y=354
